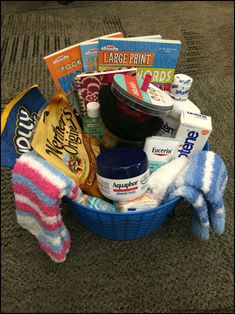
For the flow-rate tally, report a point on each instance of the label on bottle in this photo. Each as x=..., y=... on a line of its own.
x=94, y=127
x=123, y=189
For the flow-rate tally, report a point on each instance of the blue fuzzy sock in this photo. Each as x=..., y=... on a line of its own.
x=199, y=214
x=202, y=184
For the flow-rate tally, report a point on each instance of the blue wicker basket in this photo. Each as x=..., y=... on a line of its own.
x=127, y=225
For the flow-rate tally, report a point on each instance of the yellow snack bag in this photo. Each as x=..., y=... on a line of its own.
x=59, y=139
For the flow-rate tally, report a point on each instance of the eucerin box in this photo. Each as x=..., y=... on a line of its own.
x=194, y=131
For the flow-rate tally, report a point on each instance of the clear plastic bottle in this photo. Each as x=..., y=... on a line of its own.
x=180, y=89
x=92, y=122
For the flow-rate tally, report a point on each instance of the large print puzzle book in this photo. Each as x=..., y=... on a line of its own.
x=89, y=50
x=155, y=57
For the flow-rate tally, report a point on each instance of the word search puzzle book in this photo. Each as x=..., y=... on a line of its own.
x=64, y=65
x=89, y=52
x=155, y=57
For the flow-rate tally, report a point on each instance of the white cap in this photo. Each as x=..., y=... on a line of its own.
x=93, y=109
x=180, y=106
x=183, y=79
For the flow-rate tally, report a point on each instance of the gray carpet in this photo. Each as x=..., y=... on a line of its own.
x=169, y=271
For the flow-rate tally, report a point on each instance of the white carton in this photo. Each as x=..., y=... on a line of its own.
x=194, y=131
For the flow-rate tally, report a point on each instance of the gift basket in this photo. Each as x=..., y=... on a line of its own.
x=119, y=143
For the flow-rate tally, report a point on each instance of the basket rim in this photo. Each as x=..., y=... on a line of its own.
x=134, y=212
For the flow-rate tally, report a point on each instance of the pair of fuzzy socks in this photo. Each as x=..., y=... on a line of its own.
x=201, y=180
x=38, y=189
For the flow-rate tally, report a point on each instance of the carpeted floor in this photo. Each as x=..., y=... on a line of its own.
x=169, y=271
